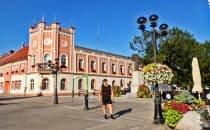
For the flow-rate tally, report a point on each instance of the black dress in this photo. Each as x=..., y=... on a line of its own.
x=106, y=94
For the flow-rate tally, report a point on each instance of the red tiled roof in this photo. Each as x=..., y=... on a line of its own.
x=2, y=58
x=21, y=54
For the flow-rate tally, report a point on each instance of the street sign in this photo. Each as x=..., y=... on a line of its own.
x=164, y=87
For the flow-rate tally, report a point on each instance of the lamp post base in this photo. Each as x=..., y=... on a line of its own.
x=158, y=116
x=86, y=102
x=159, y=121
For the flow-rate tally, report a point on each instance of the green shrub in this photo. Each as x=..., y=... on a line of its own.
x=203, y=112
x=117, y=91
x=199, y=102
x=172, y=117
x=143, y=92
x=140, y=94
x=185, y=96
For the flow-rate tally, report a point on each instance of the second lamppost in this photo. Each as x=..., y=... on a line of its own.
x=154, y=34
x=55, y=69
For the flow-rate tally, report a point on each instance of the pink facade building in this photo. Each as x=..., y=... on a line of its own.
x=24, y=71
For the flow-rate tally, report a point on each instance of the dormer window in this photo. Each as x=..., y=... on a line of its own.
x=104, y=67
x=121, y=69
x=114, y=68
x=93, y=66
x=81, y=64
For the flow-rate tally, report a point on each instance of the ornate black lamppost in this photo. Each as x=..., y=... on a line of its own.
x=55, y=69
x=154, y=34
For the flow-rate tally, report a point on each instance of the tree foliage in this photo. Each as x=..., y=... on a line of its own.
x=177, y=51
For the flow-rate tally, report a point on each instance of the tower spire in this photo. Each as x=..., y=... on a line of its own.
x=34, y=23
x=43, y=17
x=71, y=23
x=98, y=34
x=54, y=18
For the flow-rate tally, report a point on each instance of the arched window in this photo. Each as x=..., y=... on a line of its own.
x=33, y=60
x=45, y=84
x=32, y=84
x=47, y=58
x=63, y=84
x=129, y=84
x=121, y=82
x=92, y=84
x=63, y=60
x=113, y=83
x=79, y=84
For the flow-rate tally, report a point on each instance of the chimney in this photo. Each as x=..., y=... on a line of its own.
x=23, y=45
x=11, y=51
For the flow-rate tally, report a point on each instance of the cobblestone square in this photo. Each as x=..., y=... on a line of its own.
x=39, y=113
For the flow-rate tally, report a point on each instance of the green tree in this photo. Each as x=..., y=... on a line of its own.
x=204, y=62
x=177, y=51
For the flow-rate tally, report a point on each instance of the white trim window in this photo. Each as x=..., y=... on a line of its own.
x=64, y=60
x=92, y=86
x=93, y=66
x=122, y=69
x=45, y=84
x=113, y=68
x=32, y=84
x=47, y=58
x=80, y=84
x=103, y=67
x=33, y=60
x=81, y=64
x=63, y=84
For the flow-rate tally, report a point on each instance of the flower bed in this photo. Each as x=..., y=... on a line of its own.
x=182, y=103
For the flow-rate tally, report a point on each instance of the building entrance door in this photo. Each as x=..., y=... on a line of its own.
x=7, y=87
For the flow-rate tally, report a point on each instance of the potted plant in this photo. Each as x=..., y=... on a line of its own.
x=143, y=92
x=157, y=73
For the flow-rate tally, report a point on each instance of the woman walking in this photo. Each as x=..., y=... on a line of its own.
x=106, y=95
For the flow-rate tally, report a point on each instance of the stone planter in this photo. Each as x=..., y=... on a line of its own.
x=190, y=121
x=205, y=124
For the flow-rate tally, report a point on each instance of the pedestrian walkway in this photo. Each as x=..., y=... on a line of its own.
x=39, y=113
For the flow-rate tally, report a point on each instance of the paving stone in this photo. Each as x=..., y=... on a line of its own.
x=39, y=113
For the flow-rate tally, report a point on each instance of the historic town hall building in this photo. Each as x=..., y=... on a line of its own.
x=25, y=72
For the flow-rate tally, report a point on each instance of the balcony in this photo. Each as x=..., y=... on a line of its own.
x=43, y=68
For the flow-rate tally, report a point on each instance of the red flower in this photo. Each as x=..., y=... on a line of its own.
x=181, y=107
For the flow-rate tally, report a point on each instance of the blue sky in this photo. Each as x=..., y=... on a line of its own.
x=116, y=20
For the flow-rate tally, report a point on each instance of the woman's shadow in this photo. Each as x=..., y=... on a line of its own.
x=122, y=112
